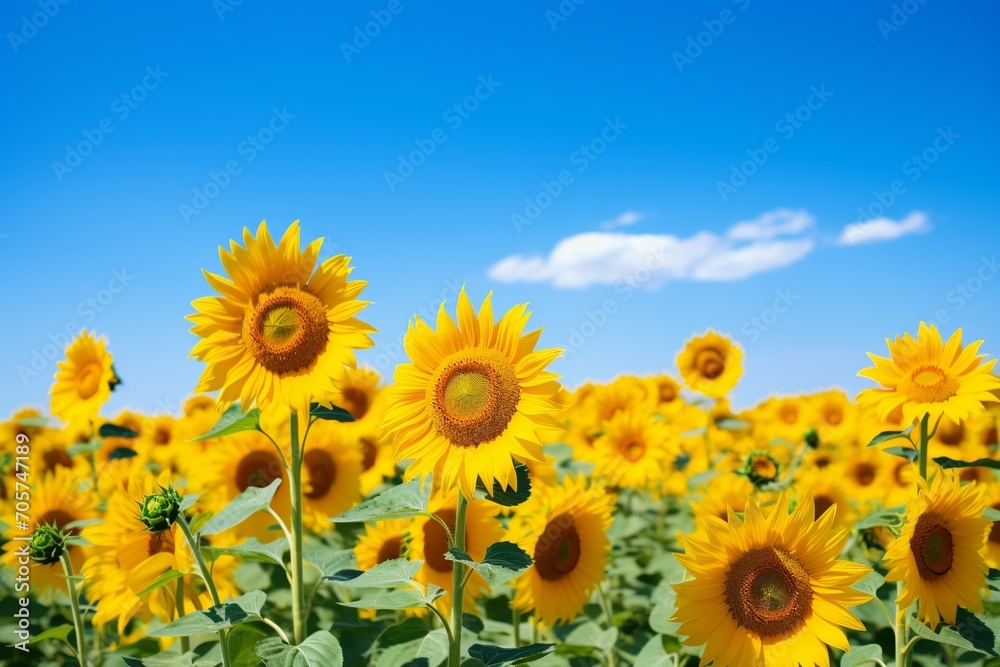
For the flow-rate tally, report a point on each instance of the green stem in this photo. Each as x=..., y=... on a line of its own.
x=924, y=441
x=179, y=606
x=457, y=579
x=74, y=600
x=611, y=620
x=516, y=622
x=207, y=577
x=295, y=546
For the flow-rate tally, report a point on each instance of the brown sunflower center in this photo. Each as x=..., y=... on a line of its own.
x=369, y=453
x=864, y=473
x=995, y=530
x=557, y=551
x=929, y=384
x=59, y=518
x=788, y=413
x=286, y=329
x=55, y=458
x=355, y=400
x=633, y=450
x=161, y=435
x=950, y=432
x=668, y=393
x=391, y=549
x=764, y=467
x=257, y=468
x=162, y=542
x=821, y=461
x=933, y=546
x=436, y=541
x=768, y=592
x=821, y=504
x=833, y=416
x=88, y=380
x=322, y=471
x=473, y=397
x=710, y=363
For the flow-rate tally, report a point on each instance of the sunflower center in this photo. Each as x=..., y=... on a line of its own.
x=633, y=450
x=161, y=435
x=557, y=551
x=257, y=468
x=821, y=504
x=764, y=468
x=391, y=549
x=668, y=393
x=864, y=473
x=834, y=416
x=995, y=530
x=950, y=432
x=821, y=461
x=55, y=458
x=355, y=401
x=161, y=542
x=788, y=414
x=369, y=452
x=710, y=363
x=322, y=471
x=88, y=380
x=286, y=329
x=930, y=384
x=473, y=397
x=933, y=547
x=59, y=518
x=768, y=592
x=436, y=541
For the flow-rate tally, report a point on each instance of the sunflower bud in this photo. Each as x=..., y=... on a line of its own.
x=159, y=510
x=812, y=438
x=47, y=544
x=761, y=468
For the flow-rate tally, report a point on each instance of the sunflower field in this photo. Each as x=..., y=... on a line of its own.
x=471, y=511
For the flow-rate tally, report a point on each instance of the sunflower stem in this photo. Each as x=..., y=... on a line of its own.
x=609, y=613
x=179, y=608
x=206, y=575
x=458, y=585
x=74, y=600
x=515, y=621
x=924, y=441
x=295, y=545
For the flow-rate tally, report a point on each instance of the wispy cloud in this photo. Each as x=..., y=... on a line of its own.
x=884, y=229
x=590, y=258
x=625, y=219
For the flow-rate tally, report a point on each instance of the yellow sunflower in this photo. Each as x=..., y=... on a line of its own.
x=768, y=589
x=928, y=376
x=828, y=491
x=357, y=391
x=835, y=417
x=940, y=554
x=331, y=474
x=283, y=329
x=992, y=500
x=635, y=451
x=475, y=395
x=84, y=380
x=382, y=541
x=789, y=417
x=721, y=493
x=563, y=528
x=711, y=363
x=665, y=393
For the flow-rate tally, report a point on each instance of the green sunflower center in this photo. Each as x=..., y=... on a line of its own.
x=768, y=592
x=286, y=329
x=557, y=551
x=473, y=397
x=933, y=546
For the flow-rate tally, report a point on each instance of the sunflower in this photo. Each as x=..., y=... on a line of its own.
x=429, y=543
x=828, y=491
x=788, y=417
x=331, y=475
x=722, y=492
x=928, y=376
x=768, y=589
x=992, y=500
x=865, y=474
x=710, y=363
x=381, y=542
x=835, y=417
x=940, y=554
x=475, y=395
x=563, y=528
x=84, y=380
x=665, y=393
x=634, y=451
x=280, y=333
x=356, y=390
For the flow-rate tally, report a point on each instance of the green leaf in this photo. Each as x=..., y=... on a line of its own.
x=654, y=655
x=401, y=598
x=199, y=521
x=861, y=655
x=395, y=572
x=320, y=649
x=870, y=584
x=328, y=560
x=251, y=501
x=332, y=413
x=732, y=424
x=189, y=500
x=58, y=632
x=232, y=421
x=162, y=580
x=886, y=436
x=908, y=453
x=399, y=502
x=592, y=635
x=946, y=463
x=503, y=562
x=114, y=431
x=410, y=629
x=507, y=496
x=495, y=655
x=121, y=453
x=969, y=633
x=890, y=516
x=243, y=642
x=33, y=422
x=252, y=549
x=473, y=624
x=991, y=514
x=217, y=617
x=434, y=647
x=84, y=447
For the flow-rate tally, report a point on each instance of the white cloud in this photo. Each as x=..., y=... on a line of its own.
x=883, y=229
x=626, y=218
x=608, y=257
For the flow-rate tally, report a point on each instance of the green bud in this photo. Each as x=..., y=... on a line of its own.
x=812, y=438
x=47, y=544
x=761, y=468
x=159, y=510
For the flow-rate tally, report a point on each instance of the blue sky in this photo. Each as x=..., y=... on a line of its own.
x=637, y=172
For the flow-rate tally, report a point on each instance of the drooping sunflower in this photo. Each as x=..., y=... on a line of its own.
x=563, y=528
x=84, y=380
x=474, y=396
x=634, y=451
x=940, y=554
x=711, y=363
x=283, y=328
x=768, y=589
x=928, y=376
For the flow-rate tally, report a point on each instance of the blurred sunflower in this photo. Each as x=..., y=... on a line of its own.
x=768, y=589
x=84, y=380
x=835, y=417
x=633, y=451
x=283, y=329
x=940, y=552
x=928, y=376
x=474, y=396
x=828, y=491
x=723, y=492
x=711, y=363
x=665, y=393
x=563, y=528
x=385, y=540
x=356, y=390
x=789, y=417
x=331, y=474
x=865, y=473
x=992, y=500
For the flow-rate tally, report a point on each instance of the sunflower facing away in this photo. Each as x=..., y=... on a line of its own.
x=940, y=554
x=926, y=375
x=84, y=380
x=475, y=395
x=710, y=364
x=283, y=329
x=768, y=589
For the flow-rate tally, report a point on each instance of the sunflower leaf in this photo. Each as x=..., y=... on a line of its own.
x=115, y=431
x=121, y=453
x=908, y=453
x=232, y=421
x=494, y=656
x=402, y=598
x=732, y=424
x=251, y=501
x=399, y=502
x=217, y=617
x=946, y=463
x=320, y=649
x=503, y=562
x=58, y=632
x=969, y=633
x=507, y=496
x=84, y=447
x=328, y=560
x=251, y=550
x=886, y=436
x=387, y=574
x=162, y=580
x=330, y=413
x=890, y=516
x=861, y=655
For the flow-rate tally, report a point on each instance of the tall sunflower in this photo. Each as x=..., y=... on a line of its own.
x=768, y=589
x=940, y=554
x=84, y=380
x=283, y=328
x=563, y=528
x=711, y=363
x=928, y=376
x=474, y=396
